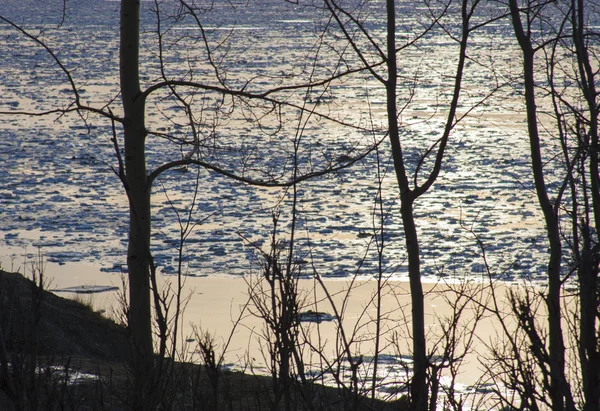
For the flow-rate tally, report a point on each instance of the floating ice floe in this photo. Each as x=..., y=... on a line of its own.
x=315, y=317
x=86, y=289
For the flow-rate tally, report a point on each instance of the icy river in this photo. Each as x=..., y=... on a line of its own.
x=59, y=194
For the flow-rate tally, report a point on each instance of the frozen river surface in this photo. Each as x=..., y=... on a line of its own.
x=59, y=193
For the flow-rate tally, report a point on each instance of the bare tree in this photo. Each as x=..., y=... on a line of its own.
x=549, y=209
x=132, y=130
x=555, y=42
x=383, y=61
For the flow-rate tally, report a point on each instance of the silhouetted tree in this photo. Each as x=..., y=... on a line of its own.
x=556, y=42
x=131, y=132
x=382, y=60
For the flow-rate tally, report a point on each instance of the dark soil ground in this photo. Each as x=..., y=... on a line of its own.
x=57, y=353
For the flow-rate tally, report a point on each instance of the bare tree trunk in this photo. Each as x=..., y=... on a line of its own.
x=588, y=270
x=138, y=192
x=558, y=389
x=419, y=383
x=420, y=363
x=588, y=354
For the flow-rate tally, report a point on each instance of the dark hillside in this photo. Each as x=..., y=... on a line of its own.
x=65, y=327
x=70, y=336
